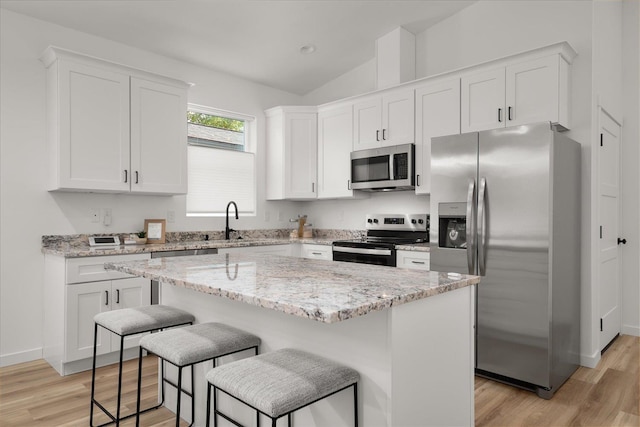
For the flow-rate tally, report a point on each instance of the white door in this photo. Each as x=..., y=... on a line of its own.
x=94, y=128
x=85, y=300
x=129, y=293
x=483, y=100
x=532, y=91
x=158, y=138
x=367, y=121
x=437, y=114
x=609, y=217
x=335, y=142
x=398, y=118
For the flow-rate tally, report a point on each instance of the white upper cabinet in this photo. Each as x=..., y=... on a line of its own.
x=292, y=144
x=384, y=120
x=437, y=114
x=335, y=143
x=158, y=138
x=524, y=92
x=112, y=128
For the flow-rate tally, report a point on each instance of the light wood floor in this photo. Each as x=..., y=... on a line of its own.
x=33, y=394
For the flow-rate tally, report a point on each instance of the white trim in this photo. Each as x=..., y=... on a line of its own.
x=20, y=357
x=590, y=361
x=631, y=330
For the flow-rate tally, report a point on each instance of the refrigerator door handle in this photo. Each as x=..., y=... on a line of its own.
x=482, y=225
x=471, y=232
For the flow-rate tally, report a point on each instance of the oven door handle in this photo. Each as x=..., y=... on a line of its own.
x=364, y=251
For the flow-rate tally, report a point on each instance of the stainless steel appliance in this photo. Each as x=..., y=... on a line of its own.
x=384, y=232
x=155, y=285
x=506, y=205
x=384, y=168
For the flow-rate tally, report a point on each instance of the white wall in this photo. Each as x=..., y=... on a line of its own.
x=28, y=211
x=630, y=172
x=357, y=81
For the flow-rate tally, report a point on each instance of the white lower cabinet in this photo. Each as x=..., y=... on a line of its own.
x=412, y=259
x=76, y=289
x=317, y=252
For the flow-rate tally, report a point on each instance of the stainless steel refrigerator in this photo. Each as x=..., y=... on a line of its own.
x=505, y=205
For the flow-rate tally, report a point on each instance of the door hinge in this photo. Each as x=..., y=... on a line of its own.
x=601, y=232
x=601, y=139
x=601, y=325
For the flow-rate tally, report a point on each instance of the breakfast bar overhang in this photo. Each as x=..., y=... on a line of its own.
x=409, y=333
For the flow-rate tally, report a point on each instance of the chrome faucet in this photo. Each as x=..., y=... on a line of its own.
x=227, y=230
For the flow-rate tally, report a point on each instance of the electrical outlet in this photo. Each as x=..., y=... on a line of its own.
x=94, y=214
x=171, y=216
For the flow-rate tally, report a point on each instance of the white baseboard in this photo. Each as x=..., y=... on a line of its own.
x=590, y=361
x=20, y=357
x=631, y=330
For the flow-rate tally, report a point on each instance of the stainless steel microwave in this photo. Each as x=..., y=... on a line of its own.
x=384, y=168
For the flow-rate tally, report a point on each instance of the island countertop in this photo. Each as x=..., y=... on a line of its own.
x=320, y=290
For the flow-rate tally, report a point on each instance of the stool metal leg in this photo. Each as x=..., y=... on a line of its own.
x=120, y=381
x=208, y=417
x=193, y=396
x=93, y=371
x=355, y=403
x=179, y=395
x=139, y=387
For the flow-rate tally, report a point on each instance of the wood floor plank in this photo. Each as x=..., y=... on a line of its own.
x=34, y=395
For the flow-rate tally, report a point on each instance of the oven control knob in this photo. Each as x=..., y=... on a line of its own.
x=420, y=221
x=413, y=221
x=369, y=220
x=375, y=221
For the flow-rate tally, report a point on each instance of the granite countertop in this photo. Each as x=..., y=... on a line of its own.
x=74, y=249
x=320, y=290
x=416, y=247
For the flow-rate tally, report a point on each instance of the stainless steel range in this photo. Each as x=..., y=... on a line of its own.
x=384, y=232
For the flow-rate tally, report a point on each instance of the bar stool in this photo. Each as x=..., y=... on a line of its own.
x=126, y=322
x=279, y=383
x=185, y=347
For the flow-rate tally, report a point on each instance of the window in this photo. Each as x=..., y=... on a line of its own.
x=221, y=164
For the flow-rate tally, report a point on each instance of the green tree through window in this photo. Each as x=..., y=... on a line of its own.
x=215, y=121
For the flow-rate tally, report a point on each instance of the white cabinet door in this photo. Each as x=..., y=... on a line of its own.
x=335, y=142
x=398, y=125
x=129, y=293
x=532, y=91
x=84, y=301
x=90, y=135
x=437, y=114
x=367, y=116
x=483, y=101
x=158, y=138
x=301, y=147
x=292, y=153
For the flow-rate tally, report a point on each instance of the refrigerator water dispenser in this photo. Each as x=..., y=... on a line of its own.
x=452, y=227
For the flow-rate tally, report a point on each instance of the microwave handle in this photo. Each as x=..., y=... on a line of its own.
x=392, y=166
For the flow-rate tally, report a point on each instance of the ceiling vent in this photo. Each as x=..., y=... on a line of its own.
x=395, y=58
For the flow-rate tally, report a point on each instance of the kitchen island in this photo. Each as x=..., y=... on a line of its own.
x=409, y=333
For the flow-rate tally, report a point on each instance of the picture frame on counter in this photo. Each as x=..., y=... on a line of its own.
x=155, y=229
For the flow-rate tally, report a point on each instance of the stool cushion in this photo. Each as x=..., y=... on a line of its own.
x=282, y=381
x=197, y=343
x=129, y=321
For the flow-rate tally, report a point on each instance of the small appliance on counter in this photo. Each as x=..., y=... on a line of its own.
x=384, y=233
x=101, y=241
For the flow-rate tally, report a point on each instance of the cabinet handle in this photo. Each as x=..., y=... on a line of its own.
x=117, y=296
x=384, y=131
x=316, y=253
x=106, y=297
x=417, y=262
x=313, y=187
x=418, y=180
x=500, y=115
x=509, y=113
x=136, y=177
x=348, y=184
x=126, y=176
x=377, y=135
